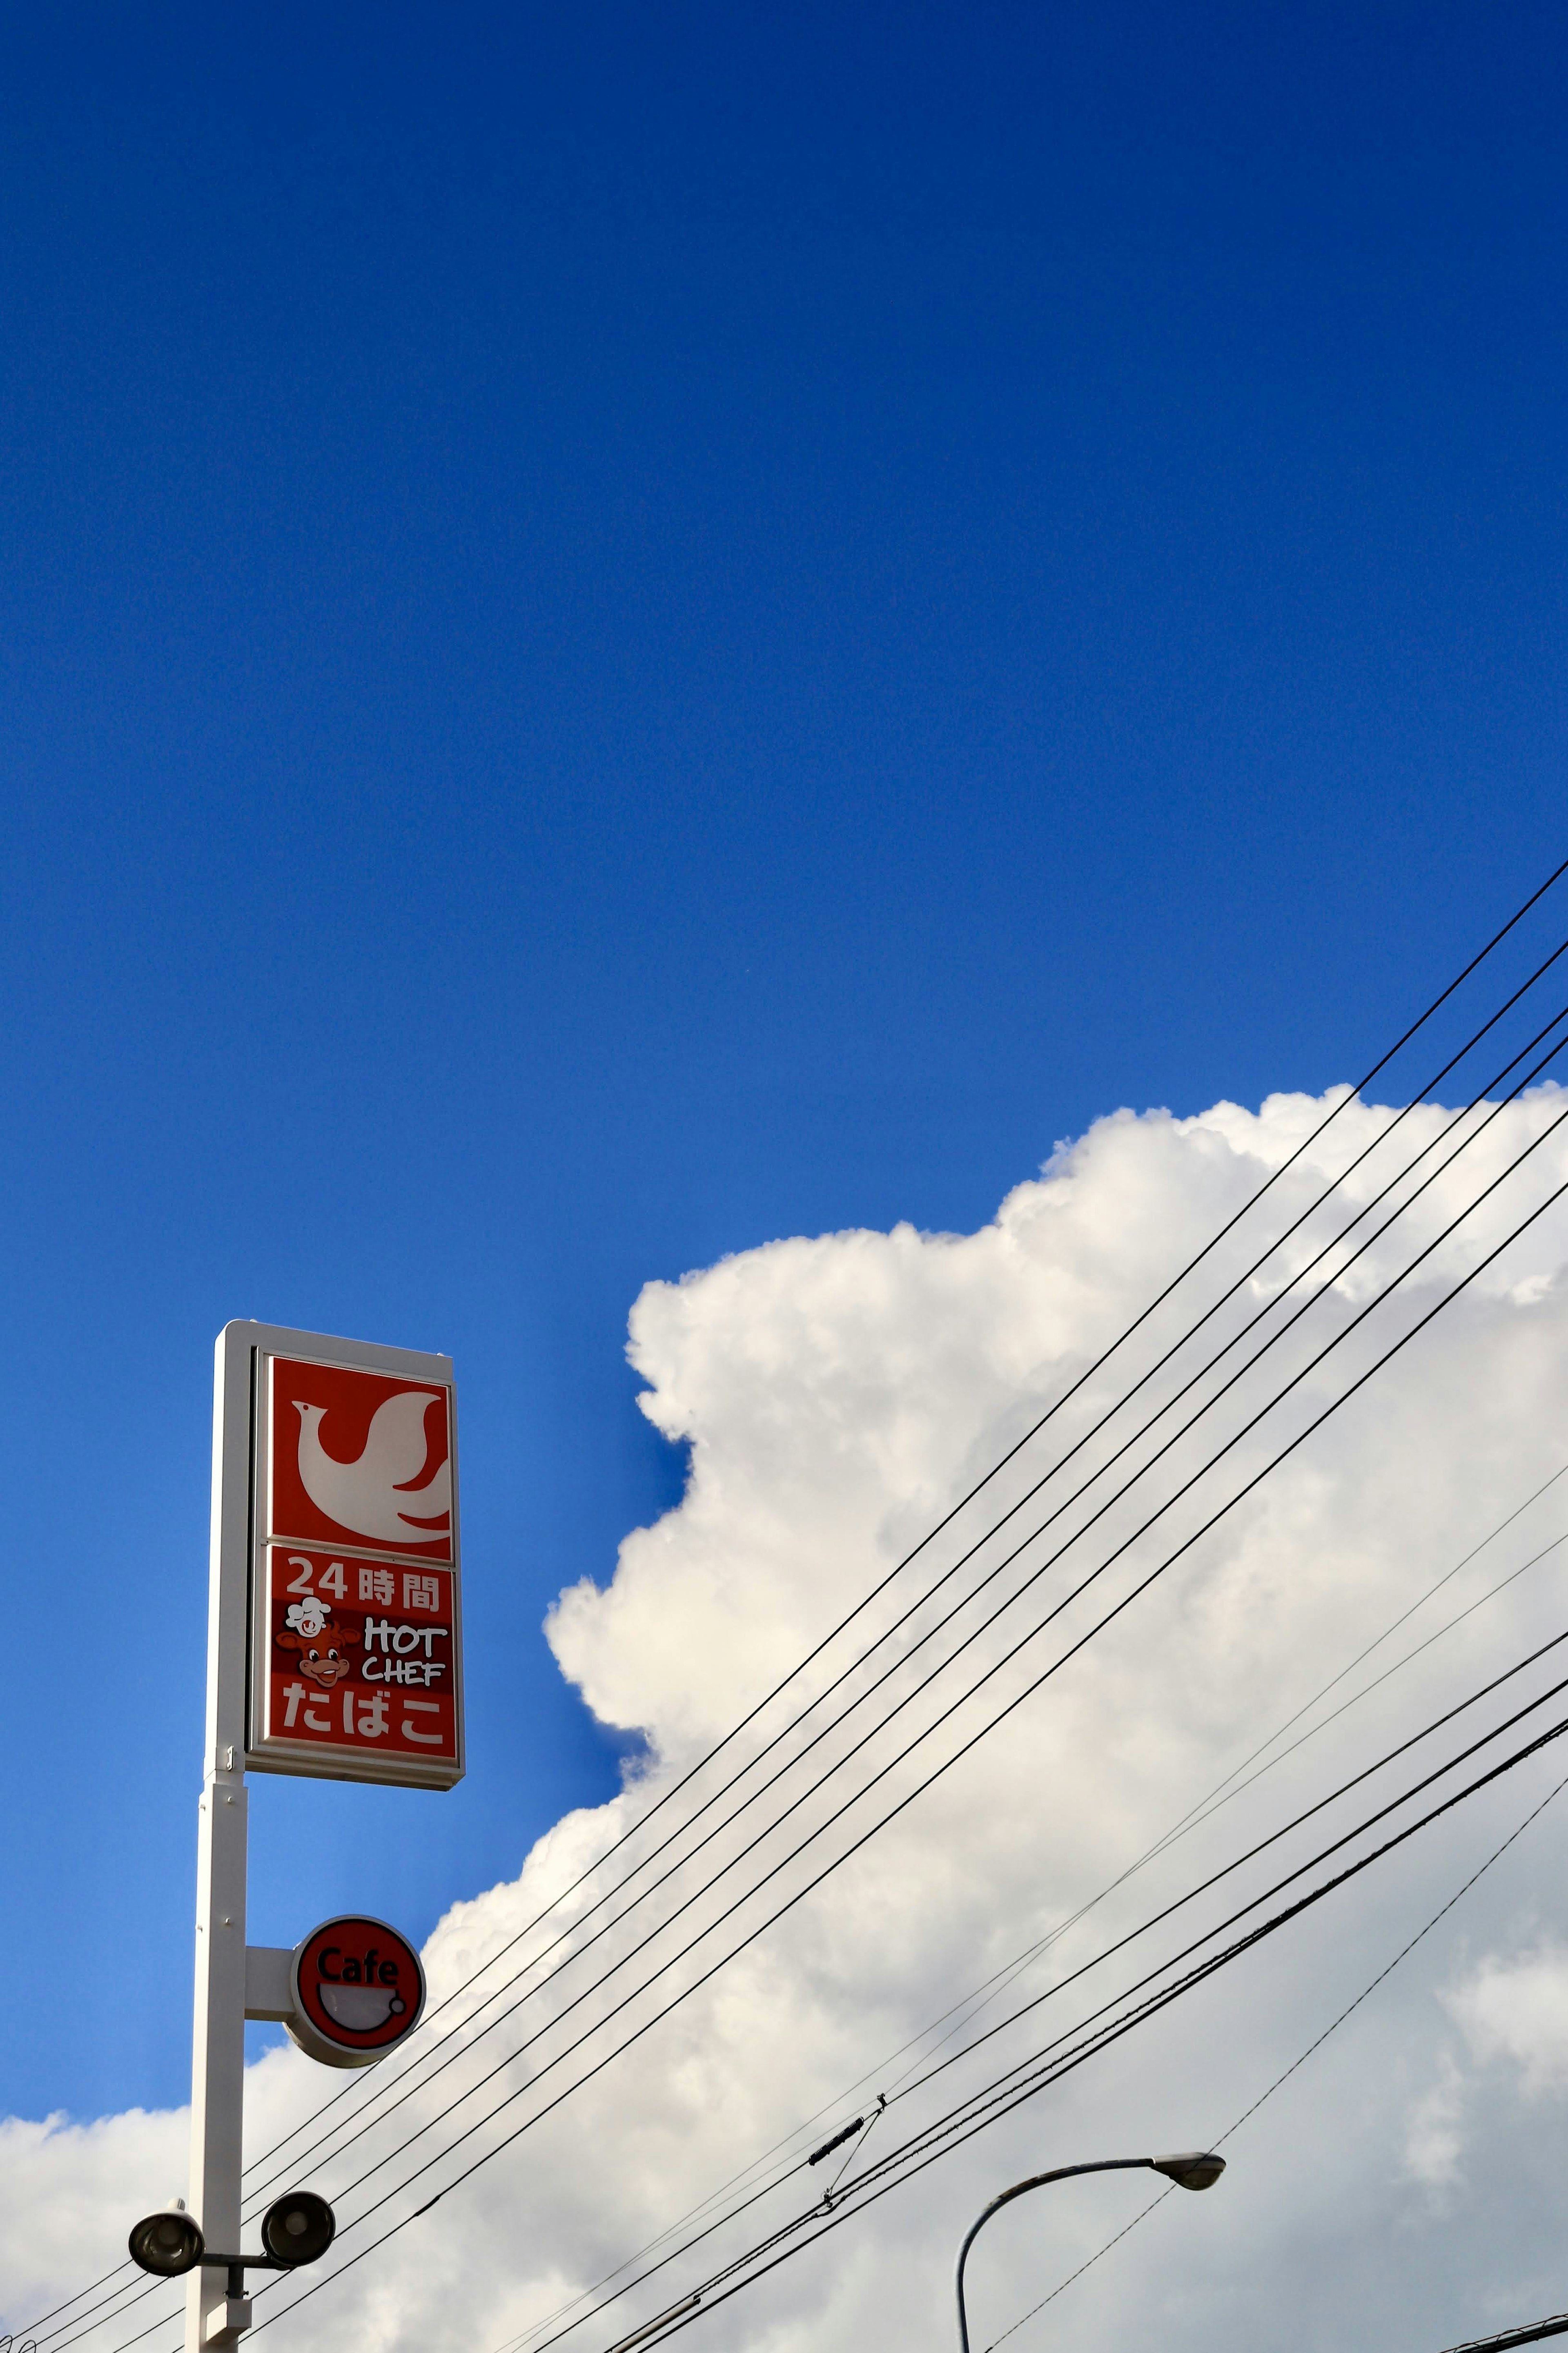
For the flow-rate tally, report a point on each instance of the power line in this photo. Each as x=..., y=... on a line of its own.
x=990, y=1986
x=906, y=1801
x=702, y=1978
x=1351, y=1096
x=420, y=2063
x=1296, y=2064
x=1332, y=1407
x=963, y=2122
x=1528, y=2335
x=838, y=1764
x=1181, y=1276
x=1008, y=2091
x=1005, y=2093
x=1006, y=1658
x=1108, y=1952
x=1463, y=1756
x=1140, y=2014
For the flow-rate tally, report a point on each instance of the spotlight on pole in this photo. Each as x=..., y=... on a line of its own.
x=298, y=2228
x=1194, y=2168
x=168, y=2243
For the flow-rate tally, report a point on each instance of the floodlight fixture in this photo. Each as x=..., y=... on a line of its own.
x=298, y=2228
x=167, y=2244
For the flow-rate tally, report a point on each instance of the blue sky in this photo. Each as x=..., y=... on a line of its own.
x=623, y=632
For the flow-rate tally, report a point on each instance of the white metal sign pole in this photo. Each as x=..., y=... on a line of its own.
x=218, y=2071
x=285, y=1507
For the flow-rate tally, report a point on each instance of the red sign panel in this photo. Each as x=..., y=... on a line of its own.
x=358, y=1459
x=356, y=1665
x=359, y=1988
x=362, y=1654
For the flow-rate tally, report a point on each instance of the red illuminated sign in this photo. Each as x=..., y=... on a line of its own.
x=362, y=1653
x=358, y=1459
x=356, y=1665
x=358, y=1989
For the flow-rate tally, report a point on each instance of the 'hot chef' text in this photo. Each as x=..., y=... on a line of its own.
x=401, y=1654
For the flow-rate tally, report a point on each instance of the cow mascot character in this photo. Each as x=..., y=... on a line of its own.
x=323, y=1647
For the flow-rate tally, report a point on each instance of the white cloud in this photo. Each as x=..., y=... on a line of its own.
x=1514, y=2007
x=1433, y=2139
x=67, y=2186
x=837, y=1394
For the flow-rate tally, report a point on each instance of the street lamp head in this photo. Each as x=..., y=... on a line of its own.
x=167, y=2244
x=1192, y=2168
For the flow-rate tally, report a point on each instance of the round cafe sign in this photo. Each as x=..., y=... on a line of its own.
x=359, y=1990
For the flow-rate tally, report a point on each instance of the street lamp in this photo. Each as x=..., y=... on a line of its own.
x=1194, y=2169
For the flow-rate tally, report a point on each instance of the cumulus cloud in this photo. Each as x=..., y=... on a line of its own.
x=838, y=1395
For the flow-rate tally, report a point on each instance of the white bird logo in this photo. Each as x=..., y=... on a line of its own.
x=371, y=1496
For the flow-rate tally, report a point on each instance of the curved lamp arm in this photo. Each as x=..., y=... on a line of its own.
x=1193, y=2170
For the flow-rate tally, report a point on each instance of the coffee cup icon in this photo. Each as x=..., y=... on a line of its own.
x=358, y=1990
x=361, y=2008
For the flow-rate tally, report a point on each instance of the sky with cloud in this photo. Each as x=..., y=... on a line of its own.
x=730, y=713
x=837, y=1396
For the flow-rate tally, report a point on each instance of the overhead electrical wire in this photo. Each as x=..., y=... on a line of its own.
x=962, y=2121
x=1172, y=1961
x=1005, y=2092
x=1218, y=2141
x=1351, y=1096
x=995, y=1668
x=1332, y=1407
x=979, y=1996
x=1529, y=2333
x=1274, y=1177
x=1312, y=2048
x=1156, y=1919
x=486, y=2156
x=1451, y=1765
x=586, y=1944
x=962, y=2127
x=597, y=2067
x=1222, y=1794
x=420, y=2061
